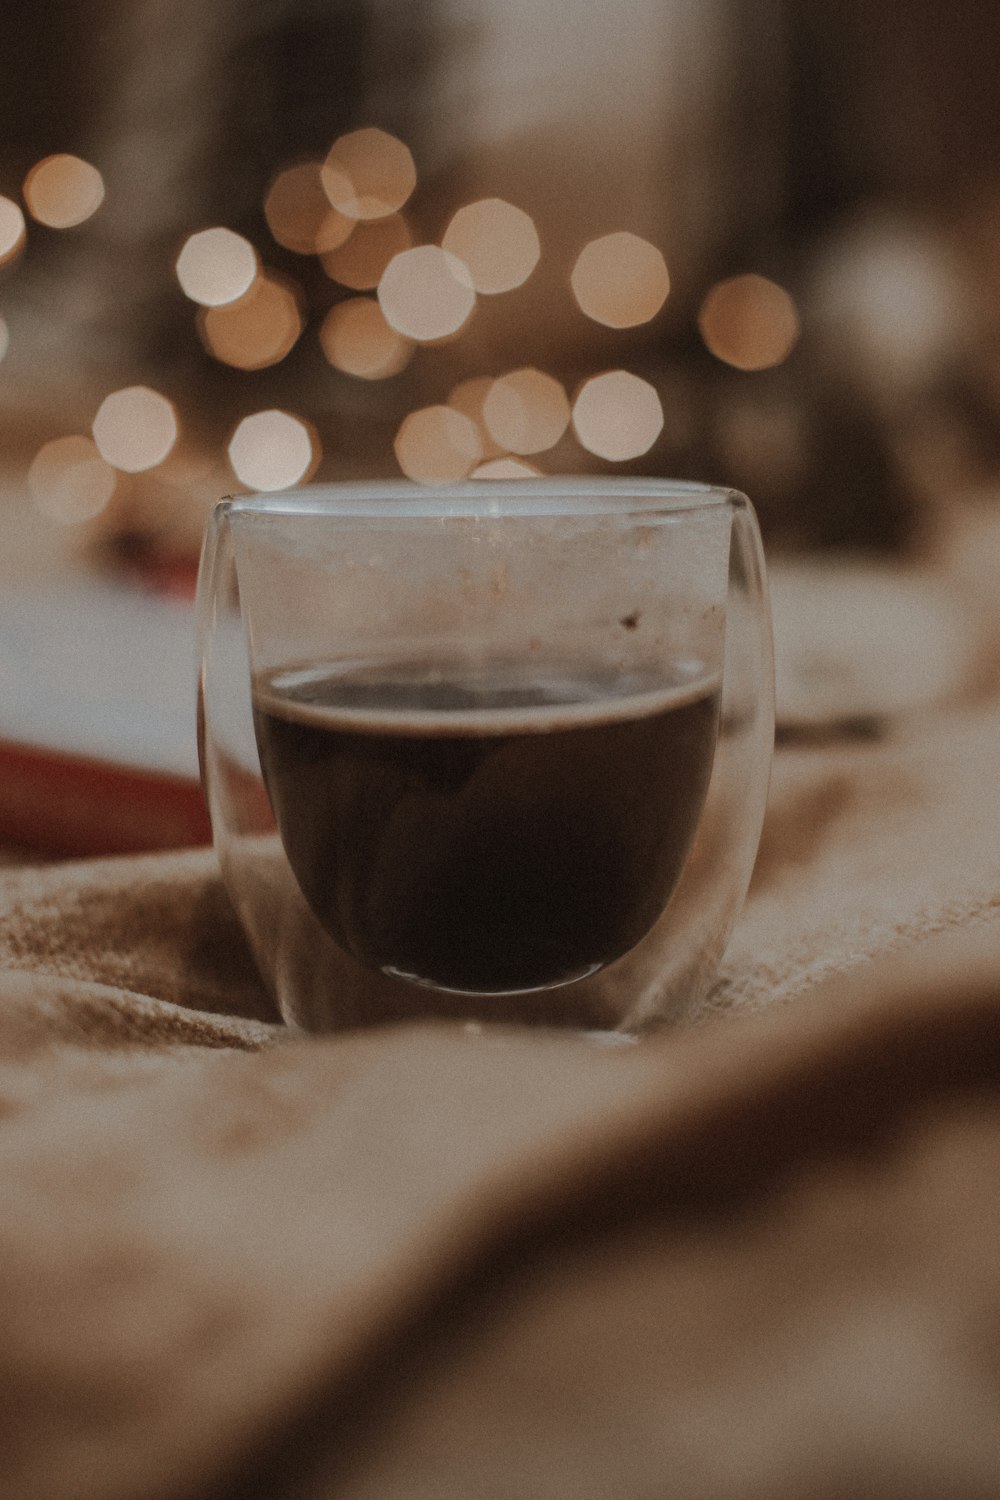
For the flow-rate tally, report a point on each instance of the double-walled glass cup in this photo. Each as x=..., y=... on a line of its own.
x=492, y=751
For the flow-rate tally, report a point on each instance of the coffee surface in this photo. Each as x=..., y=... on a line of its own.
x=486, y=830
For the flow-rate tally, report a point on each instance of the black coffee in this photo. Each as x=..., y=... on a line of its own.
x=485, y=832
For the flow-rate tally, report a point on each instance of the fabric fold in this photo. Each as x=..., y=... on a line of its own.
x=205, y=1254
x=754, y=1256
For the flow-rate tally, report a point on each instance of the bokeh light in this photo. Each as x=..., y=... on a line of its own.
x=526, y=411
x=437, y=445
x=135, y=428
x=257, y=330
x=505, y=468
x=300, y=215
x=620, y=280
x=368, y=174
x=357, y=340
x=63, y=191
x=360, y=262
x=617, y=416
x=12, y=230
x=888, y=299
x=426, y=293
x=216, y=266
x=272, y=450
x=749, y=322
x=496, y=241
x=69, y=481
x=468, y=398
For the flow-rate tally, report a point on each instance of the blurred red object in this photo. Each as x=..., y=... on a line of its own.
x=70, y=806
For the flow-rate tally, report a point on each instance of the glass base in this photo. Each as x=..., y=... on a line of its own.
x=445, y=989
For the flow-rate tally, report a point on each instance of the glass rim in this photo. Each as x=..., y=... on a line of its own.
x=566, y=495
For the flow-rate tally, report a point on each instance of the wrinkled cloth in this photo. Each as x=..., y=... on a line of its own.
x=756, y=1255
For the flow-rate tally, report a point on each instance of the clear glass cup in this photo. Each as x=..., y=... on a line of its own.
x=496, y=751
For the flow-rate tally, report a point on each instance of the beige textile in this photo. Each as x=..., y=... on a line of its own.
x=756, y=1257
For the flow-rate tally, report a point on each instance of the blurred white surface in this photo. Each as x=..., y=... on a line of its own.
x=102, y=670
x=861, y=642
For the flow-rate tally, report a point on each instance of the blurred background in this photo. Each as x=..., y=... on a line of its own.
x=249, y=242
